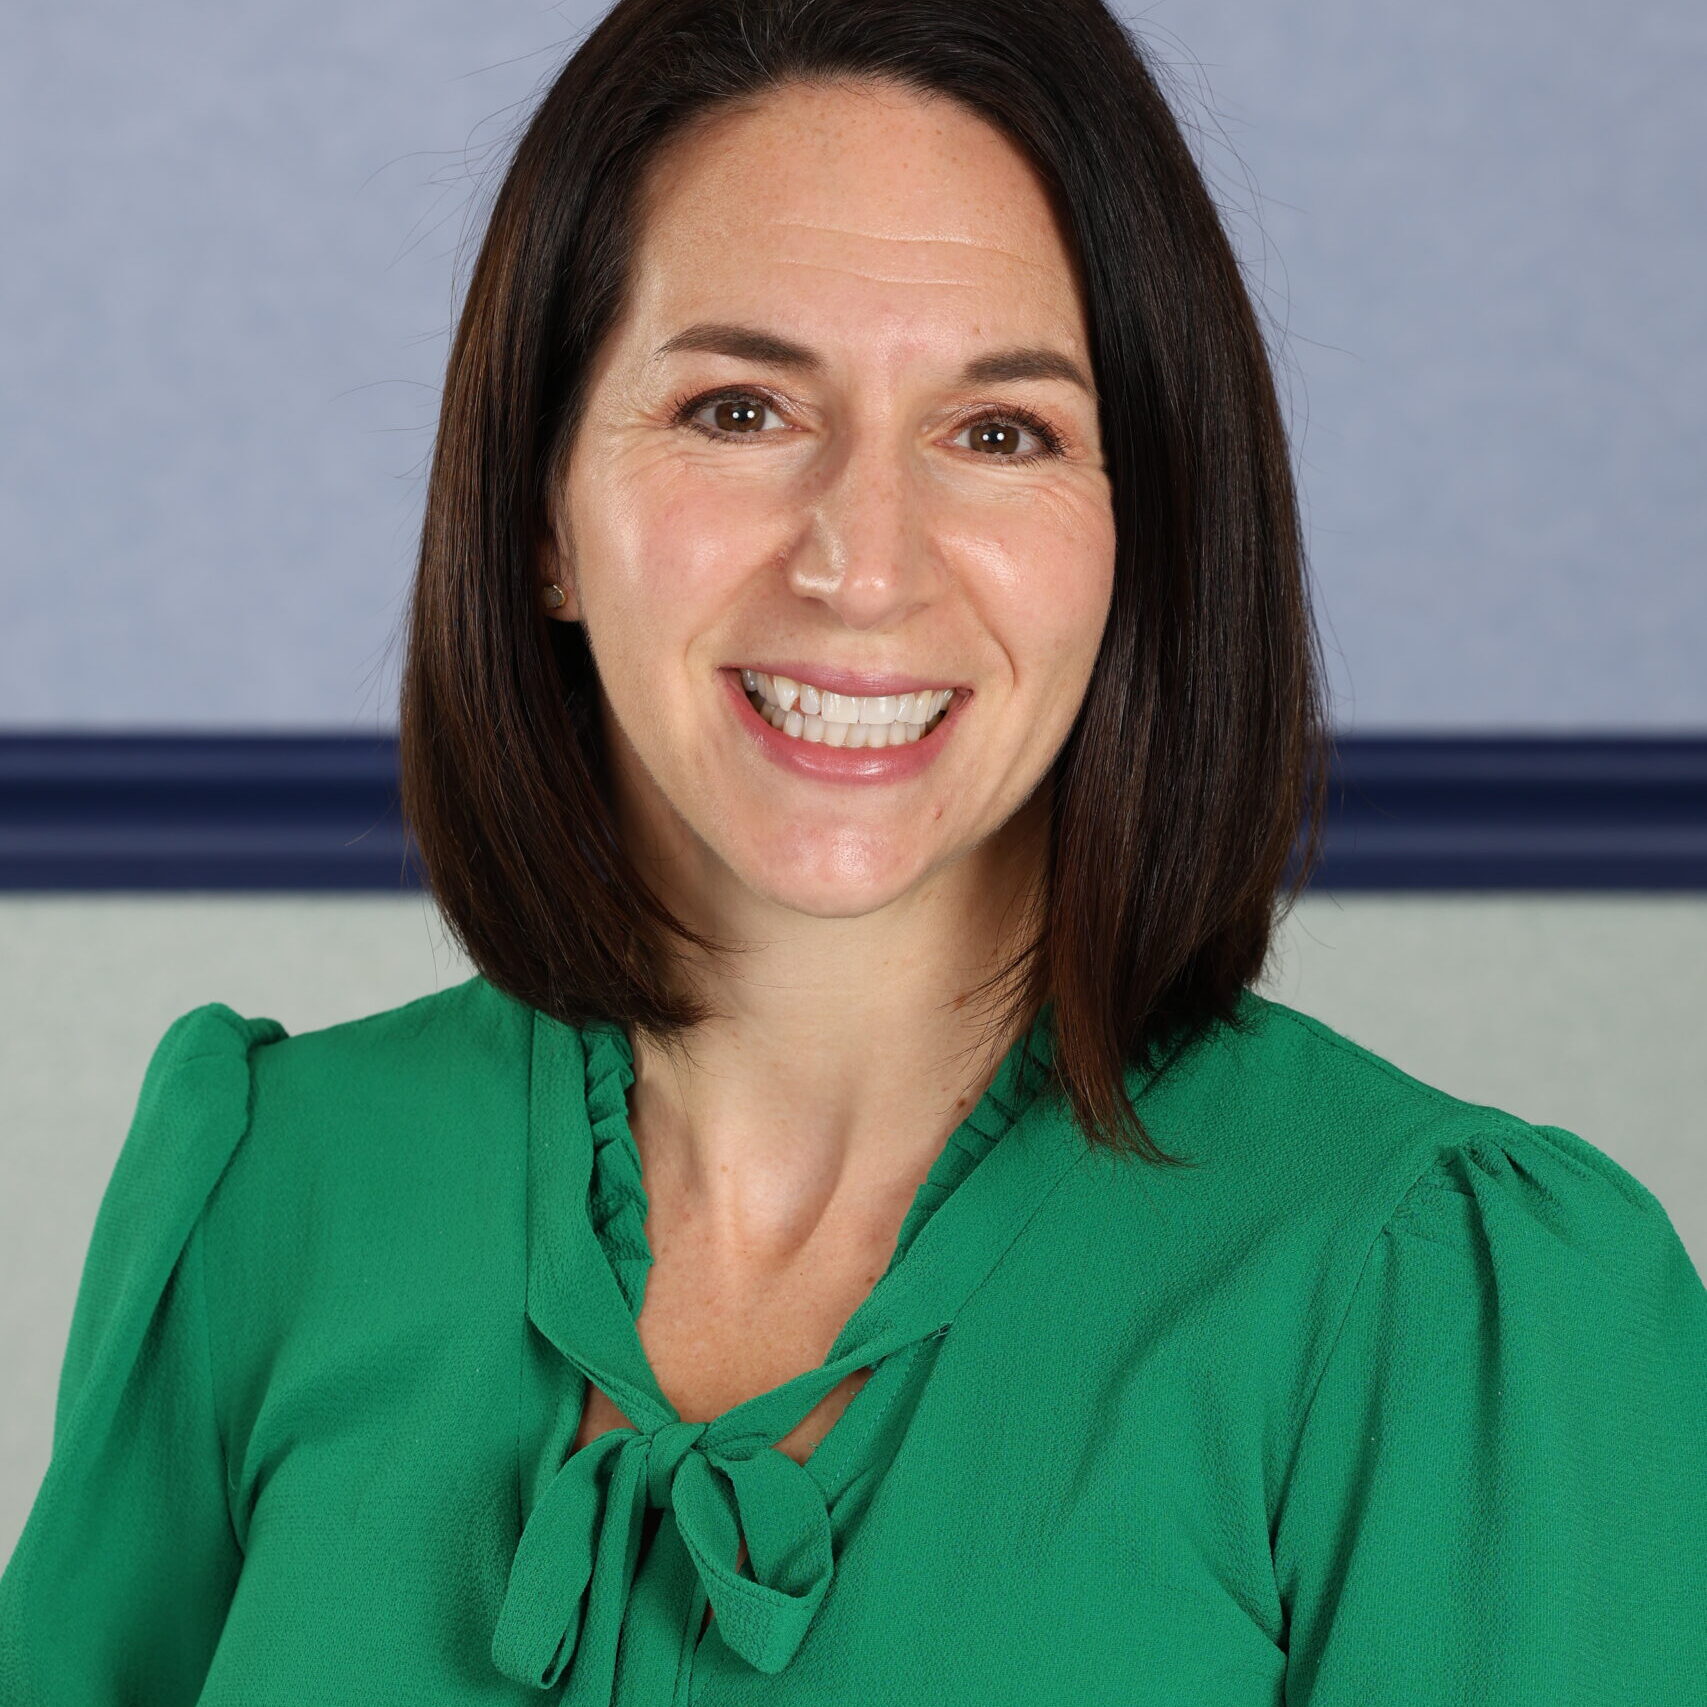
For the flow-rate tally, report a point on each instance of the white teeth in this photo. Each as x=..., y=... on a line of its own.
x=916, y=713
x=828, y=733
x=878, y=710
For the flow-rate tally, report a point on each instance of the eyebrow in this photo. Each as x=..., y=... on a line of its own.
x=750, y=343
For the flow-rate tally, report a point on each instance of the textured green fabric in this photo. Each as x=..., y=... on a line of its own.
x=1392, y=1400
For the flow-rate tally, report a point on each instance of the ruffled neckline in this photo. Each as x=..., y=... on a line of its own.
x=616, y=1197
x=578, y=1556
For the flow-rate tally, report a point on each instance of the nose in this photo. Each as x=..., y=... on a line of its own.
x=869, y=550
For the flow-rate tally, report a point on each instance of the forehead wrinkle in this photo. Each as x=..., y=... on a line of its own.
x=879, y=237
x=879, y=278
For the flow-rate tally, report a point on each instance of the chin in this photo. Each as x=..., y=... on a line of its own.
x=846, y=881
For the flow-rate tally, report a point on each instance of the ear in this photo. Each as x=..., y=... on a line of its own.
x=550, y=564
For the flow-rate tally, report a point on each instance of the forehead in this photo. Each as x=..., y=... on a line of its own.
x=889, y=215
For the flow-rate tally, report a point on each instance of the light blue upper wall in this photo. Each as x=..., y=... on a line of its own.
x=226, y=288
x=1487, y=235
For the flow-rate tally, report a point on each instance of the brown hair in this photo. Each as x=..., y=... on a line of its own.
x=1201, y=749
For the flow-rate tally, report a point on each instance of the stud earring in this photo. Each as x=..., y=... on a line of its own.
x=553, y=594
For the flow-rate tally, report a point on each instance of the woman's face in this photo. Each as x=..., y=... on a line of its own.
x=783, y=466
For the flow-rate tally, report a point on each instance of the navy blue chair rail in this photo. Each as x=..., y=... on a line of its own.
x=83, y=811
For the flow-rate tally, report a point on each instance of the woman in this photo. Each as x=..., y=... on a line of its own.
x=859, y=1238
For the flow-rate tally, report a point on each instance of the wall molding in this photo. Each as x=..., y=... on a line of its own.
x=92, y=811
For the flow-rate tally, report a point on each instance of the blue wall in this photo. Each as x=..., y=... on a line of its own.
x=230, y=256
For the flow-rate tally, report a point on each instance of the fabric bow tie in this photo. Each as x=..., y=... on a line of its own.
x=586, y=1532
x=580, y=1604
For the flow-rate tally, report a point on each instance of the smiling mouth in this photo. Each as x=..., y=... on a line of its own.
x=894, y=720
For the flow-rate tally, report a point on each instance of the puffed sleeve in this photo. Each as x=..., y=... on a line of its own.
x=118, y=1586
x=1499, y=1493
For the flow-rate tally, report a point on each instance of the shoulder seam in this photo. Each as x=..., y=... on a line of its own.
x=248, y=1033
x=221, y=1435
x=1388, y=1223
x=1352, y=1292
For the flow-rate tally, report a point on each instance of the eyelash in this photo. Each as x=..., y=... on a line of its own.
x=685, y=407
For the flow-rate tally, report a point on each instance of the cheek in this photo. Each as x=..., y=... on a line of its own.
x=662, y=562
x=1051, y=595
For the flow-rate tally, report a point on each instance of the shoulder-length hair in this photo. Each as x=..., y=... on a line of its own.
x=1199, y=754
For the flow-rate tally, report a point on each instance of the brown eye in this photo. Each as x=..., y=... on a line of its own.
x=737, y=414
x=997, y=438
x=1003, y=436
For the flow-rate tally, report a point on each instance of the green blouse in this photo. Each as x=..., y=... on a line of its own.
x=1391, y=1400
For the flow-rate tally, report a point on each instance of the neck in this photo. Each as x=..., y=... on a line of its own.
x=843, y=1054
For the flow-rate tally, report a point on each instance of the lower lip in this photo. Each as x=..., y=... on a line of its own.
x=839, y=764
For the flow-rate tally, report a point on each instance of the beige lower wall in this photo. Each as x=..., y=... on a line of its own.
x=1582, y=1011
